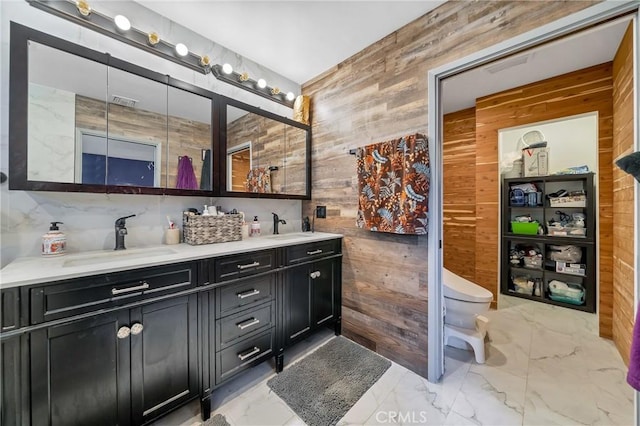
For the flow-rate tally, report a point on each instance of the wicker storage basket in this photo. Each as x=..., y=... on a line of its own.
x=211, y=229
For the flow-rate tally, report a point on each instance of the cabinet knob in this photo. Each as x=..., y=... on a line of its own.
x=123, y=332
x=315, y=274
x=136, y=328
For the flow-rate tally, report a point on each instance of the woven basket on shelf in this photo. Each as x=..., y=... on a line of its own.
x=211, y=229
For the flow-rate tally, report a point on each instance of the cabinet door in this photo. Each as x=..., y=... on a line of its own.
x=297, y=306
x=164, y=370
x=10, y=407
x=80, y=372
x=322, y=284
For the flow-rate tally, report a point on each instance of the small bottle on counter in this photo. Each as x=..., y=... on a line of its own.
x=255, y=227
x=54, y=242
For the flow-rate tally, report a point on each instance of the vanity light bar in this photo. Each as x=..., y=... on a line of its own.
x=243, y=81
x=105, y=25
x=151, y=42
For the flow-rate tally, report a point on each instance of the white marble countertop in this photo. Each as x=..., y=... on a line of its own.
x=35, y=270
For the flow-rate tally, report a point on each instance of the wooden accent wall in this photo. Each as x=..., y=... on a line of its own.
x=459, y=192
x=578, y=92
x=186, y=137
x=376, y=95
x=623, y=197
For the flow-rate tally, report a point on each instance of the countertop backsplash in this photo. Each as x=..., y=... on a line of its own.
x=89, y=219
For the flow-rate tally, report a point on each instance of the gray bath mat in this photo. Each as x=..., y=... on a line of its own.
x=322, y=387
x=217, y=420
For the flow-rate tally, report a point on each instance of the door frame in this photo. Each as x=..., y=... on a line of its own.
x=578, y=21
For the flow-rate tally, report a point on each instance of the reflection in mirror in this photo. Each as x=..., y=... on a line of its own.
x=62, y=96
x=295, y=167
x=189, y=157
x=137, y=131
x=255, y=152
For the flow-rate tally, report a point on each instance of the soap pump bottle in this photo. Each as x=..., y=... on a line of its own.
x=54, y=242
x=255, y=227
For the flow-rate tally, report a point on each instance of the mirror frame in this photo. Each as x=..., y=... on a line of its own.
x=20, y=36
x=222, y=153
x=19, y=108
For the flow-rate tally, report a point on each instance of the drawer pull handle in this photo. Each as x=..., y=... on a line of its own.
x=136, y=328
x=248, y=323
x=248, y=293
x=252, y=352
x=123, y=332
x=314, y=252
x=143, y=286
x=315, y=274
x=249, y=265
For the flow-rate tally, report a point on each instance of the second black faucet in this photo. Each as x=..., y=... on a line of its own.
x=276, y=222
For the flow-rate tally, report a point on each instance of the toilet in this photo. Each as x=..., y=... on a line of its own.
x=464, y=303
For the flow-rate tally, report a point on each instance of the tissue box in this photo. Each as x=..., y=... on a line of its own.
x=535, y=161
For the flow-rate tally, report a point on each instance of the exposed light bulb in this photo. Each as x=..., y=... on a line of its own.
x=227, y=69
x=181, y=49
x=122, y=22
x=262, y=83
x=290, y=96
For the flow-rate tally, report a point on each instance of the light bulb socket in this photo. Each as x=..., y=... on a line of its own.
x=275, y=91
x=83, y=8
x=205, y=61
x=153, y=38
x=244, y=76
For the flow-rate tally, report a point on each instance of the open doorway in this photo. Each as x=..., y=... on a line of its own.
x=569, y=25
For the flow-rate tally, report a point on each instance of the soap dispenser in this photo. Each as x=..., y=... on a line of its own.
x=54, y=242
x=255, y=227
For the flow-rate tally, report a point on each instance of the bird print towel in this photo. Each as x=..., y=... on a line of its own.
x=393, y=185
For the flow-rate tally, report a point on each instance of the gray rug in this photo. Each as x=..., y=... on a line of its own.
x=217, y=420
x=323, y=386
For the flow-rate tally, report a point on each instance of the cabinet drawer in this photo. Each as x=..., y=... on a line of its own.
x=244, y=323
x=72, y=297
x=243, y=355
x=244, y=294
x=306, y=252
x=9, y=309
x=238, y=266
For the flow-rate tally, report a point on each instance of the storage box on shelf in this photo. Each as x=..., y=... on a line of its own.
x=566, y=248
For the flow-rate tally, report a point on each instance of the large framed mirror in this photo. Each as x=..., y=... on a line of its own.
x=265, y=155
x=94, y=123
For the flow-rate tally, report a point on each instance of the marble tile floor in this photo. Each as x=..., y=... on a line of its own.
x=545, y=365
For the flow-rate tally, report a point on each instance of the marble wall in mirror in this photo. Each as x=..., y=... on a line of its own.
x=63, y=90
x=264, y=155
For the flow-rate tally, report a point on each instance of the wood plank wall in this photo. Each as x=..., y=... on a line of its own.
x=459, y=192
x=623, y=197
x=578, y=92
x=378, y=94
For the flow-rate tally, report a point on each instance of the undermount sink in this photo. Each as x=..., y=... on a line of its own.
x=113, y=256
x=291, y=236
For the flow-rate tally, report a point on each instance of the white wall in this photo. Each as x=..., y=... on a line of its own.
x=89, y=218
x=572, y=141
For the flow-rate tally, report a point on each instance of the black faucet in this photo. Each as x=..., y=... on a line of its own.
x=121, y=231
x=276, y=222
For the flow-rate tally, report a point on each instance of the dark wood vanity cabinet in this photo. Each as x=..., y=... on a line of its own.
x=136, y=355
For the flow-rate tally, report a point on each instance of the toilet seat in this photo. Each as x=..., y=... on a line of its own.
x=456, y=287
